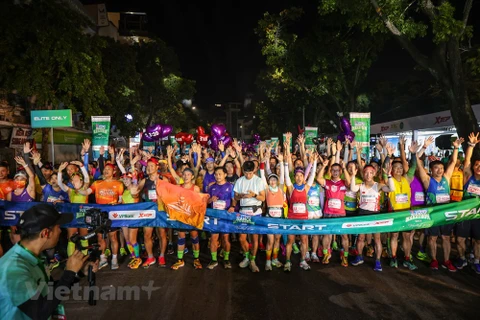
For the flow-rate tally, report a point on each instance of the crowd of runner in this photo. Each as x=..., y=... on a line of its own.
x=275, y=183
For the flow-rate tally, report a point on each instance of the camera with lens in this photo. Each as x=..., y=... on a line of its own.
x=96, y=218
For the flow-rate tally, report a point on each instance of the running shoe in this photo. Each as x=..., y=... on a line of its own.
x=103, y=263
x=304, y=265
x=149, y=262
x=245, y=263
x=197, y=264
x=107, y=253
x=170, y=248
x=161, y=262
x=212, y=265
x=378, y=266
x=177, y=265
x=268, y=265
x=344, y=261
x=276, y=263
x=54, y=263
x=434, y=265
x=393, y=263
x=410, y=265
x=335, y=245
x=315, y=258
x=137, y=262
x=422, y=256
x=295, y=248
x=227, y=264
x=369, y=251
x=132, y=260
x=114, y=265
x=449, y=266
x=185, y=251
x=307, y=257
x=261, y=246
x=123, y=252
x=460, y=263
x=326, y=258
x=476, y=268
x=358, y=261
x=287, y=267
x=253, y=266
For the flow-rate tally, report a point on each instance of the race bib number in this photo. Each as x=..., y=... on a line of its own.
x=473, y=188
x=401, y=198
x=442, y=198
x=219, y=205
x=52, y=199
x=334, y=203
x=275, y=212
x=314, y=201
x=247, y=211
x=315, y=214
x=152, y=194
x=365, y=198
x=299, y=208
x=419, y=196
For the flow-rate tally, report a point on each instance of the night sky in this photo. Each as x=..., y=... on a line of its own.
x=217, y=46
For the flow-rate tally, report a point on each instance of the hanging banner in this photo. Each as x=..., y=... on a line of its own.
x=146, y=214
x=361, y=127
x=310, y=133
x=100, y=134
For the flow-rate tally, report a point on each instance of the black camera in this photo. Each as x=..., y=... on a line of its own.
x=96, y=218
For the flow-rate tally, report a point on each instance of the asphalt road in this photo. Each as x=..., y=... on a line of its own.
x=323, y=292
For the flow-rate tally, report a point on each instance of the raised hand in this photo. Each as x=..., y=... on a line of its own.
x=391, y=149
x=383, y=141
x=36, y=157
x=402, y=140
x=86, y=145
x=26, y=147
x=428, y=142
x=78, y=163
x=221, y=146
x=414, y=147
x=279, y=157
x=20, y=161
x=458, y=142
x=169, y=151
x=473, y=138
x=339, y=146
x=62, y=166
x=388, y=168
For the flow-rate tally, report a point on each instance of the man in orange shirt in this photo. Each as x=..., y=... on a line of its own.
x=107, y=191
x=6, y=184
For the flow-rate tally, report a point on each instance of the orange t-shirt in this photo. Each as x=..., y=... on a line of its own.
x=5, y=188
x=107, y=192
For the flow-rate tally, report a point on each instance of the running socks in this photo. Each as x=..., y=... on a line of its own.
x=214, y=256
x=84, y=244
x=180, y=254
x=345, y=253
x=130, y=249
x=252, y=258
x=325, y=251
x=247, y=255
x=275, y=253
x=269, y=254
x=226, y=255
x=196, y=254
x=136, y=250
x=70, y=248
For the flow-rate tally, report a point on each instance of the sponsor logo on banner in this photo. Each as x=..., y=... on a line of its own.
x=82, y=211
x=367, y=224
x=243, y=219
x=301, y=227
x=132, y=215
x=419, y=219
x=460, y=214
x=11, y=215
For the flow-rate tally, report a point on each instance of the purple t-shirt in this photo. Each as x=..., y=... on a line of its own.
x=418, y=193
x=224, y=193
x=207, y=179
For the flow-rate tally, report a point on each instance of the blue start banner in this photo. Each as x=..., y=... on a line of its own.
x=146, y=214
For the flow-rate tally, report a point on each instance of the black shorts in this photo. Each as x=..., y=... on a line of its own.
x=445, y=230
x=468, y=228
x=352, y=213
x=362, y=212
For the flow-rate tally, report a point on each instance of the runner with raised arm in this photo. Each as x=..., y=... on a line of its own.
x=438, y=192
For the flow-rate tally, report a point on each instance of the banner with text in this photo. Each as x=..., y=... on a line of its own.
x=100, y=134
x=146, y=214
x=310, y=133
x=361, y=127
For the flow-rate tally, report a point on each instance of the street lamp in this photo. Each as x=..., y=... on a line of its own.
x=218, y=105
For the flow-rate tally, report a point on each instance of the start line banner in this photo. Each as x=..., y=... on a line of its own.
x=146, y=214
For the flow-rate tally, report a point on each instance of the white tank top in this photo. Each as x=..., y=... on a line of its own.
x=369, y=198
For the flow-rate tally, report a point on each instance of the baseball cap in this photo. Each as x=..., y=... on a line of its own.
x=42, y=216
x=47, y=166
x=154, y=160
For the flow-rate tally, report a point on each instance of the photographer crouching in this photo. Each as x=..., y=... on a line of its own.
x=24, y=280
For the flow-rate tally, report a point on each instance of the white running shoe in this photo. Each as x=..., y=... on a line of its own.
x=114, y=265
x=287, y=267
x=307, y=256
x=253, y=266
x=245, y=263
x=268, y=265
x=304, y=265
